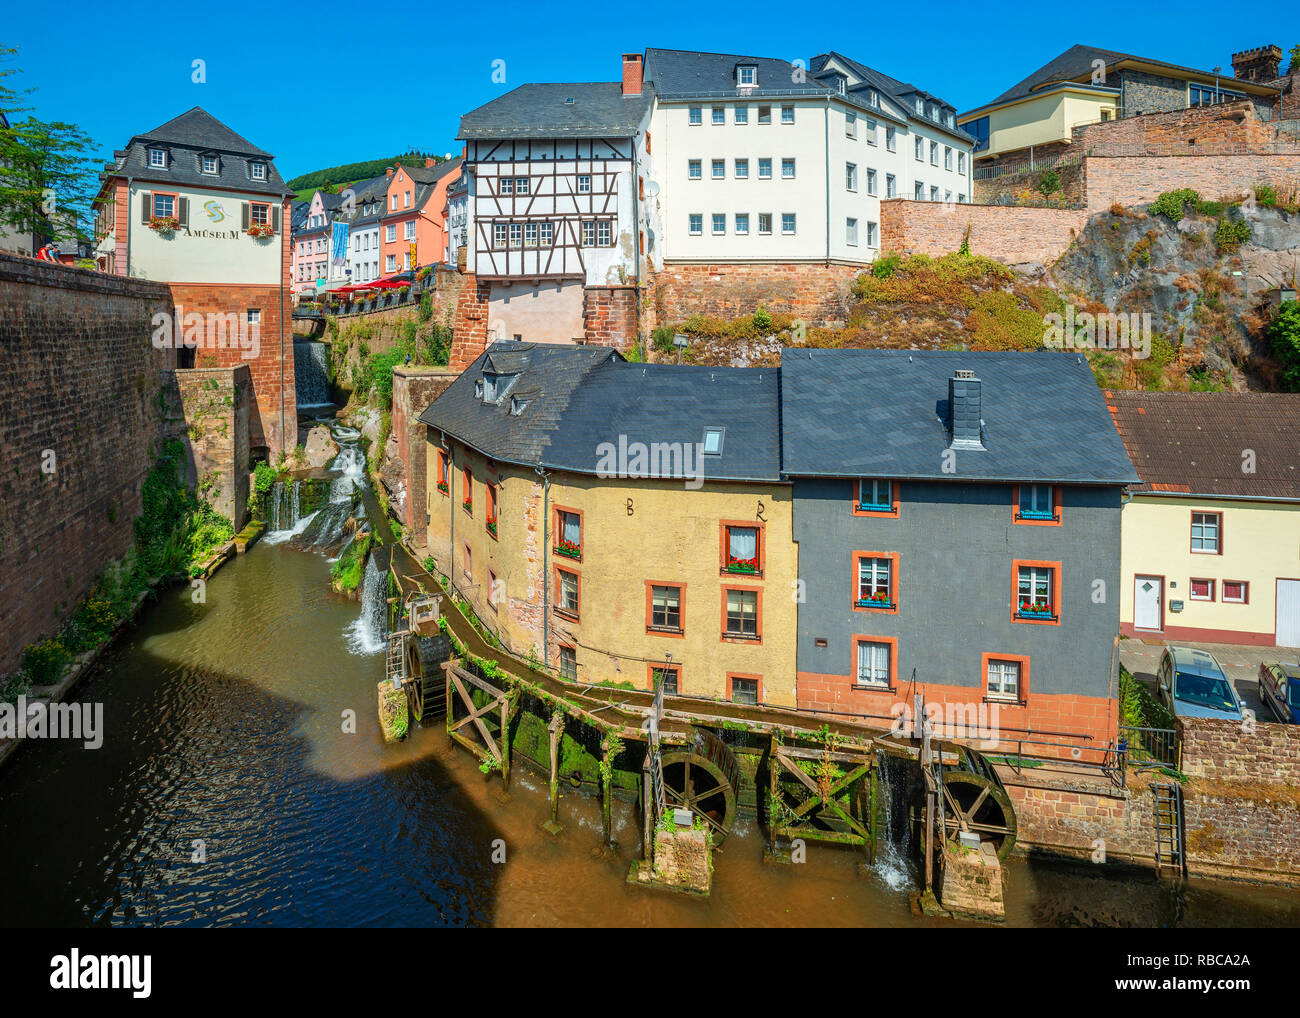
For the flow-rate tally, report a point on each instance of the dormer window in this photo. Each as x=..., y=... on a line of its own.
x=517, y=406
x=841, y=84
x=258, y=170
x=747, y=75
x=568, y=100
x=157, y=159
x=209, y=163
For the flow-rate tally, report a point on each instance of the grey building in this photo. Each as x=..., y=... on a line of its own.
x=957, y=517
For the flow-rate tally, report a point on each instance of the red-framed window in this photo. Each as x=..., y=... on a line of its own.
x=1207, y=533
x=490, y=515
x=741, y=547
x=1036, y=505
x=1236, y=592
x=467, y=490
x=1005, y=677
x=443, y=485
x=568, y=593
x=875, y=496
x=875, y=581
x=874, y=661
x=742, y=614
x=1036, y=592
x=665, y=608
x=1202, y=589
x=671, y=676
x=568, y=532
x=744, y=688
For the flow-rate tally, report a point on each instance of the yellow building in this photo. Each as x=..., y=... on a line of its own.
x=1211, y=539
x=614, y=518
x=1036, y=117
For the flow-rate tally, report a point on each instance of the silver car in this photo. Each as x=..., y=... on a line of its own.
x=1192, y=685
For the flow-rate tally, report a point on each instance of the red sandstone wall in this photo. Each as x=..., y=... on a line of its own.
x=1218, y=128
x=816, y=292
x=609, y=315
x=413, y=390
x=469, y=326
x=1008, y=233
x=79, y=377
x=1222, y=750
x=1135, y=180
x=271, y=371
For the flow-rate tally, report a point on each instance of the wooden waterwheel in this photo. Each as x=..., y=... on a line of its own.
x=974, y=802
x=703, y=778
x=425, y=684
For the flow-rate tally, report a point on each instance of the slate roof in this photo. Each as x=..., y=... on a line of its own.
x=882, y=413
x=582, y=396
x=188, y=137
x=599, y=110
x=1194, y=442
x=677, y=73
x=898, y=91
x=1077, y=62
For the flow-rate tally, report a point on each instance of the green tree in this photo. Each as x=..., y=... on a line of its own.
x=1284, y=340
x=46, y=173
x=1295, y=59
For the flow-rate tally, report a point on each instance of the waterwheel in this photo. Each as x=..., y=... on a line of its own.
x=425, y=684
x=977, y=803
x=703, y=778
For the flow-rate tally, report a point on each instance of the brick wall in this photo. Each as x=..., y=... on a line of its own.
x=816, y=292
x=1135, y=180
x=1220, y=127
x=271, y=370
x=209, y=410
x=413, y=390
x=609, y=315
x=79, y=378
x=469, y=325
x=1221, y=750
x=1019, y=185
x=1007, y=233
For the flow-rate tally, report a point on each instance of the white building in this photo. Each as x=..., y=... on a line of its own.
x=759, y=159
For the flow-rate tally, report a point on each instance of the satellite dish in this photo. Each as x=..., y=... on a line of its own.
x=652, y=189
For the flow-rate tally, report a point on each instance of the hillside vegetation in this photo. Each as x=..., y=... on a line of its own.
x=333, y=177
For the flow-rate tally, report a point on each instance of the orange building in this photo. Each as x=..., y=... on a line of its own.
x=415, y=203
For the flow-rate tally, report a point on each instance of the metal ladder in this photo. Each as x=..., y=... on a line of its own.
x=656, y=758
x=1168, y=806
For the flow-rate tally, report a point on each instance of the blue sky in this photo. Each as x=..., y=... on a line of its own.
x=318, y=85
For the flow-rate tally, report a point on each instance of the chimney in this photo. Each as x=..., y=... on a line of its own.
x=388, y=172
x=631, y=73
x=964, y=410
x=430, y=162
x=1263, y=63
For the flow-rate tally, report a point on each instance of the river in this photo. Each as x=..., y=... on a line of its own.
x=230, y=790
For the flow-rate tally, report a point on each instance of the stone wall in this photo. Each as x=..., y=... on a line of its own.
x=1219, y=128
x=470, y=321
x=1017, y=183
x=413, y=390
x=1008, y=233
x=1222, y=751
x=1136, y=180
x=609, y=315
x=817, y=292
x=208, y=409
x=79, y=422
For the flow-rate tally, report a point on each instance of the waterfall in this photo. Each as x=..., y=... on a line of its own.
x=892, y=831
x=293, y=512
x=277, y=494
x=366, y=634
x=327, y=529
x=311, y=373
x=352, y=462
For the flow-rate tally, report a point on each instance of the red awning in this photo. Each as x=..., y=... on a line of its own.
x=388, y=284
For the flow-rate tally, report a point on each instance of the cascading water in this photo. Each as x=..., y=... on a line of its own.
x=277, y=496
x=311, y=373
x=893, y=831
x=351, y=461
x=286, y=519
x=366, y=634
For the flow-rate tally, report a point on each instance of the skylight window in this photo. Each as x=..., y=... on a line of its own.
x=713, y=441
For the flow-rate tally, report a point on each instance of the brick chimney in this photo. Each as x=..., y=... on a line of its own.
x=1263, y=63
x=388, y=172
x=430, y=162
x=631, y=73
x=964, y=410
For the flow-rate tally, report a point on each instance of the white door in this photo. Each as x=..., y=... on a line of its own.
x=1288, y=613
x=1147, y=592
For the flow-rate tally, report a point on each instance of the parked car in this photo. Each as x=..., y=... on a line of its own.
x=1279, y=687
x=1192, y=684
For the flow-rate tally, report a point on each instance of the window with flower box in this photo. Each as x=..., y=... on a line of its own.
x=875, y=496
x=568, y=592
x=443, y=463
x=741, y=615
x=1037, y=592
x=568, y=533
x=742, y=548
x=875, y=581
x=1037, y=503
x=467, y=491
x=664, y=608
x=490, y=496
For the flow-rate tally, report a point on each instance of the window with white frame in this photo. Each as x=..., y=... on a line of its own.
x=873, y=663
x=157, y=158
x=934, y=192
x=390, y=232
x=891, y=186
x=408, y=230
x=719, y=169
x=695, y=115
x=934, y=153
x=875, y=494
x=787, y=169
x=406, y=199
x=1202, y=590
x=589, y=233
x=697, y=223
x=742, y=224
x=209, y=164
x=530, y=234
x=851, y=176
x=164, y=206
x=604, y=233
x=787, y=114
x=850, y=124
x=259, y=171
x=521, y=185
x=787, y=223
x=920, y=150
x=875, y=583
x=851, y=232
x=871, y=181
x=719, y=223
x=500, y=234
x=891, y=139
x=765, y=114
x=1036, y=502
x=584, y=183
x=947, y=157
x=871, y=132
x=764, y=222
x=765, y=169
x=873, y=234
x=747, y=75
x=918, y=192
x=741, y=115
x=1034, y=592
x=1004, y=679
x=742, y=169
x=718, y=115
x=516, y=235
x=507, y=186
x=547, y=234
x=1236, y=591
x=961, y=162
x=390, y=263
x=1205, y=532
x=695, y=169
